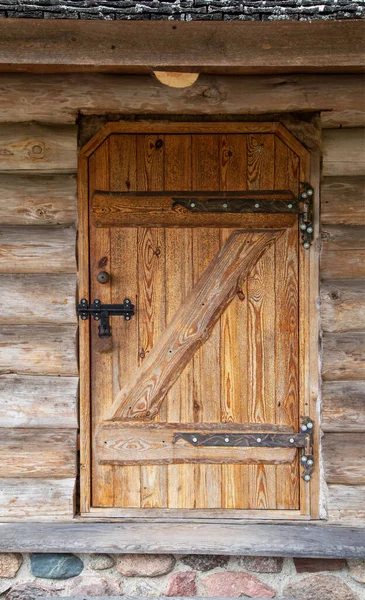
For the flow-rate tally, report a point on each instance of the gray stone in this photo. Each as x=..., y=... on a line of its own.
x=28, y=591
x=319, y=587
x=145, y=565
x=357, y=569
x=56, y=566
x=262, y=564
x=10, y=564
x=94, y=586
x=203, y=562
x=100, y=562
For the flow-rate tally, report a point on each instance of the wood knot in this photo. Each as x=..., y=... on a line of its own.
x=157, y=251
x=240, y=295
x=37, y=150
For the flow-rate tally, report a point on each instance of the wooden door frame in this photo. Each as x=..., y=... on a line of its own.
x=308, y=324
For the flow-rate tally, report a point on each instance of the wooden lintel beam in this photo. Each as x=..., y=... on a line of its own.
x=138, y=46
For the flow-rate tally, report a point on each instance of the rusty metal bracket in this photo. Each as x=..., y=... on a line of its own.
x=306, y=215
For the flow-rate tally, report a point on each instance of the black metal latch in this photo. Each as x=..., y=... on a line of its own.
x=102, y=312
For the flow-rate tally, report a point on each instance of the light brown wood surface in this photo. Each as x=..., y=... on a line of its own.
x=30, y=498
x=30, y=401
x=32, y=299
x=37, y=199
x=344, y=152
x=38, y=453
x=343, y=406
x=33, y=147
x=38, y=349
x=346, y=504
x=343, y=356
x=343, y=237
x=343, y=200
x=342, y=264
x=37, y=250
x=343, y=305
x=344, y=461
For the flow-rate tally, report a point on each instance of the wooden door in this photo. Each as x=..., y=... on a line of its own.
x=230, y=361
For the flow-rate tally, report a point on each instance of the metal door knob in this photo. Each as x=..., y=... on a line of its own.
x=103, y=277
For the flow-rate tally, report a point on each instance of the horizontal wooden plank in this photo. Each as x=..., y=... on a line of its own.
x=60, y=98
x=37, y=199
x=343, y=305
x=345, y=504
x=343, y=200
x=33, y=299
x=38, y=452
x=31, y=147
x=342, y=264
x=344, y=458
x=39, y=349
x=37, y=250
x=245, y=539
x=36, y=401
x=344, y=151
x=343, y=237
x=122, y=210
x=343, y=356
x=36, y=498
x=153, y=443
x=138, y=46
x=343, y=406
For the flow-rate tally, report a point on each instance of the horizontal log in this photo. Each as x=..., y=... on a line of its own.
x=343, y=406
x=344, y=458
x=31, y=147
x=343, y=201
x=237, y=539
x=36, y=498
x=33, y=299
x=38, y=453
x=27, y=199
x=37, y=250
x=343, y=356
x=342, y=118
x=31, y=401
x=344, y=151
x=343, y=237
x=345, y=504
x=343, y=305
x=154, y=443
x=131, y=46
x=60, y=98
x=342, y=264
x=38, y=350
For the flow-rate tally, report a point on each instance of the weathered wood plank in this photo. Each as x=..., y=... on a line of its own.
x=343, y=305
x=343, y=237
x=37, y=199
x=343, y=201
x=346, y=504
x=31, y=147
x=343, y=356
x=136, y=46
x=37, y=250
x=33, y=299
x=145, y=392
x=344, y=152
x=343, y=406
x=30, y=401
x=38, y=453
x=39, y=350
x=154, y=444
x=60, y=98
x=344, y=458
x=315, y=541
x=342, y=264
x=37, y=498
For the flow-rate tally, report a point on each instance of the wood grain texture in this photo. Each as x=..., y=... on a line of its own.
x=192, y=324
x=38, y=453
x=37, y=199
x=32, y=299
x=30, y=401
x=37, y=250
x=342, y=264
x=38, y=350
x=343, y=237
x=343, y=200
x=235, y=539
x=343, y=406
x=31, y=147
x=37, y=498
x=346, y=504
x=344, y=462
x=343, y=356
x=343, y=305
x=343, y=152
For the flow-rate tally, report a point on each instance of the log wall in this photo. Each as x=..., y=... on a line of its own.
x=38, y=275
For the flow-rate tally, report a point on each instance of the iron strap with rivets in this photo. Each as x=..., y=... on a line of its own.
x=267, y=440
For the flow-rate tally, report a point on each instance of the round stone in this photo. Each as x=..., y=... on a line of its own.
x=56, y=566
x=10, y=564
x=100, y=562
x=145, y=565
x=325, y=587
x=201, y=562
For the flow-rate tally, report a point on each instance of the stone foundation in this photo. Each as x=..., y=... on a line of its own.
x=29, y=577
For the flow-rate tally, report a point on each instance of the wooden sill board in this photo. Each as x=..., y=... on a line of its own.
x=311, y=541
